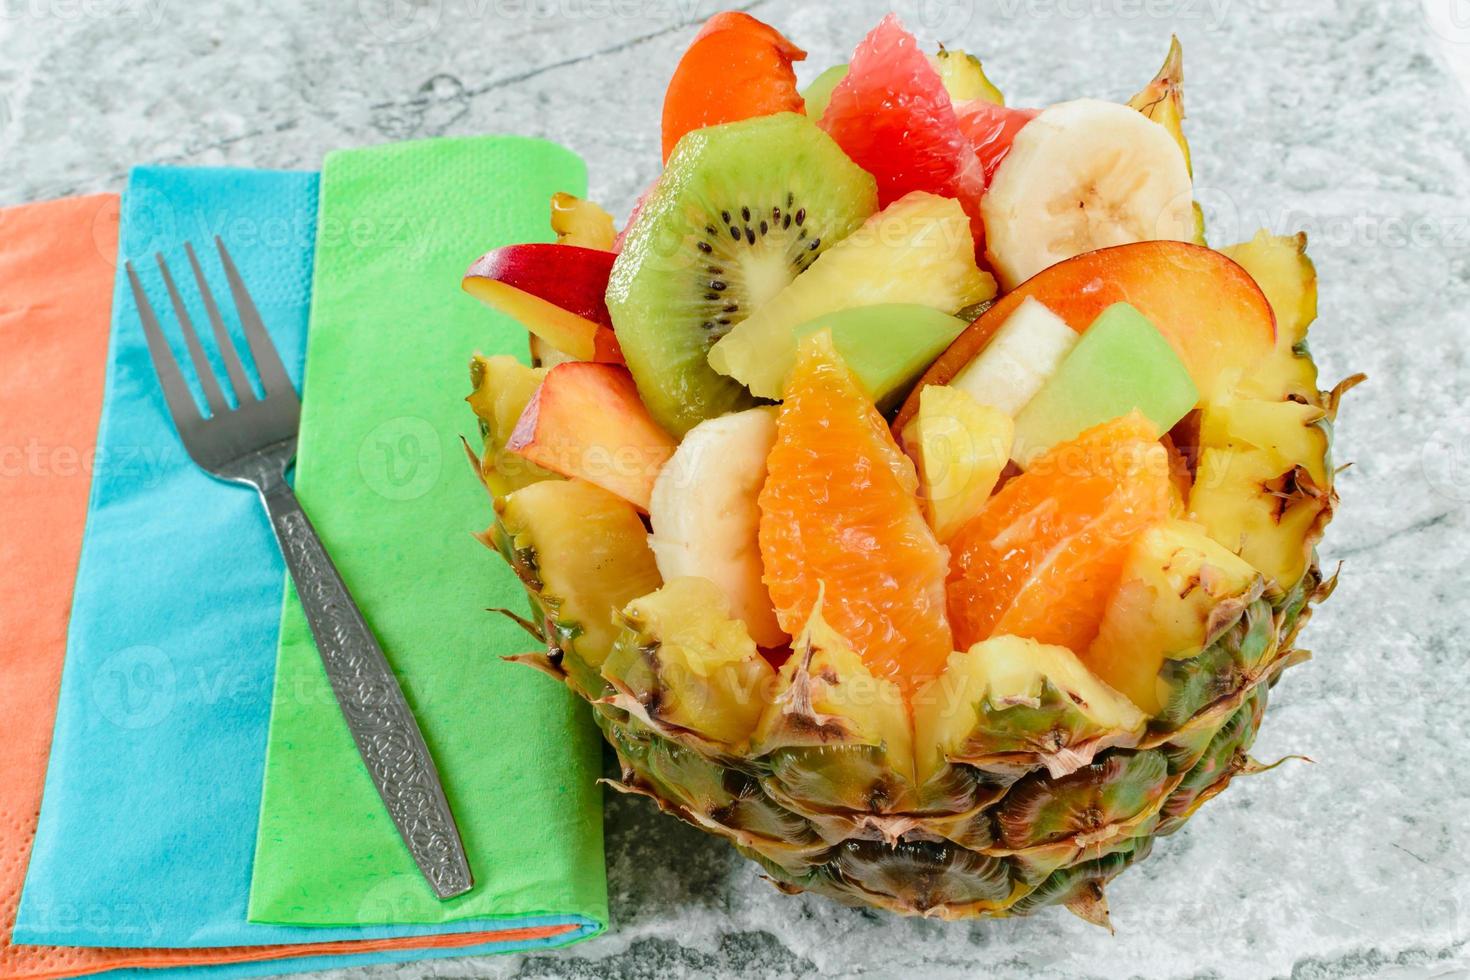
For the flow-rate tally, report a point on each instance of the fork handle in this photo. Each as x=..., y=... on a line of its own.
x=372, y=702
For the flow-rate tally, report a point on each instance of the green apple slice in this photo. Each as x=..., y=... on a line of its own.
x=1120, y=364
x=887, y=346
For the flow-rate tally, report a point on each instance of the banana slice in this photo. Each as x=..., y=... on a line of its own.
x=1084, y=175
x=705, y=515
x=1026, y=351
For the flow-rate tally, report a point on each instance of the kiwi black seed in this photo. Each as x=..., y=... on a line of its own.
x=764, y=241
x=741, y=210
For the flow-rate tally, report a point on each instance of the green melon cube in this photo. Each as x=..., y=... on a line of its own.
x=819, y=92
x=887, y=346
x=1121, y=363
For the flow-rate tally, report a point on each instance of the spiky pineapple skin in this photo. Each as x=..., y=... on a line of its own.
x=1001, y=840
x=1005, y=842
x=1005, y=834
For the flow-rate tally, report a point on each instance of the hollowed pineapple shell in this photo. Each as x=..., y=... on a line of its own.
x=837, y=817
x=1040, y=795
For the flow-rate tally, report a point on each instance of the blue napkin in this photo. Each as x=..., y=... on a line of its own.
x=148, y=822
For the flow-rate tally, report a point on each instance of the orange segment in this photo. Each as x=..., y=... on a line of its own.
x=737, y=67
x=1046, y=552
x=839, y=507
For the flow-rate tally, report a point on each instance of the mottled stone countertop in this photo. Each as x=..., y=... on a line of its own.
x=1347, y=118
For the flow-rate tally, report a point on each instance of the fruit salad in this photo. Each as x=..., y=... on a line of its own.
x=919, y=498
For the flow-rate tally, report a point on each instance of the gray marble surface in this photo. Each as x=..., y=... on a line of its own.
x=1345, y=118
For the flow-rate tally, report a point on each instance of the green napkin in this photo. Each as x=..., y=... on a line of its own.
x=383, y=476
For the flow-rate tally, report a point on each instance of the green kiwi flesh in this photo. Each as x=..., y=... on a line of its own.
x=740, y=211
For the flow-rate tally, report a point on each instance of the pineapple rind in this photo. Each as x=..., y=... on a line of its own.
x=835, y=740
x=581, y=554
x=684, y=666
x=838, y=817
x=1180, y=591
x=825, y=800
x=1009, y=704
x=1223, y=758
x=502, y=388
x=1270, y=503
x=720, y=799
x=1010, y=842
x=997, y=842
x=1162, y=99
x=1231, y=665
x=1080, y=887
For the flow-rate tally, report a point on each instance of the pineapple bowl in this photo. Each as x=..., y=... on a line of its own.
x=918, y=500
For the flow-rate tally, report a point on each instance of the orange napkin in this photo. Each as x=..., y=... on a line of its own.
x=56, y=282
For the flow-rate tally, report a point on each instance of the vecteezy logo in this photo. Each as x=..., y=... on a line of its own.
x=395, y=899
x=1222, y=214
x=1449, y=19
x=136, y=687
x=1445, y=458
x=946, y=18
x=153, y=224
x=400, y=458
x=105, y=229
x=400, y=21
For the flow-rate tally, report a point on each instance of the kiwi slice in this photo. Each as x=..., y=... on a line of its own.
x=739, y=212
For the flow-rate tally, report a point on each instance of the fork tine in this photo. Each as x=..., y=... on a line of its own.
x=273, y=377
x=222, y=342
x=207, y=381
x=175, y=391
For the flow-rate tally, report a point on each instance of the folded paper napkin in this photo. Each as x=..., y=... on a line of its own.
x=56, y=260
x=56, y=263
x=383, y=474
x=151, y=797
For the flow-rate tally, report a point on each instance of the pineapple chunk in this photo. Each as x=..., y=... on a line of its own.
x=960, y=447
x=916, y=250
x=582, y=554
x=1179, y=589
x=1271, y=517
x=835, y=735
x=1284, y=430
x=579, y=222
x=1264, y=481
x=503, y=387
x=1010, y=699
x=964, y=77
x=685, y=664
x=1279, y=265
x=576, y=222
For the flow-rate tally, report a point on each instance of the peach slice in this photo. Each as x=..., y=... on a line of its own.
x=586, y=421
x=1209, y=309
x=555, y=291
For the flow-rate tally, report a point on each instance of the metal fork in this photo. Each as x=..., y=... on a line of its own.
x=254, y=444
